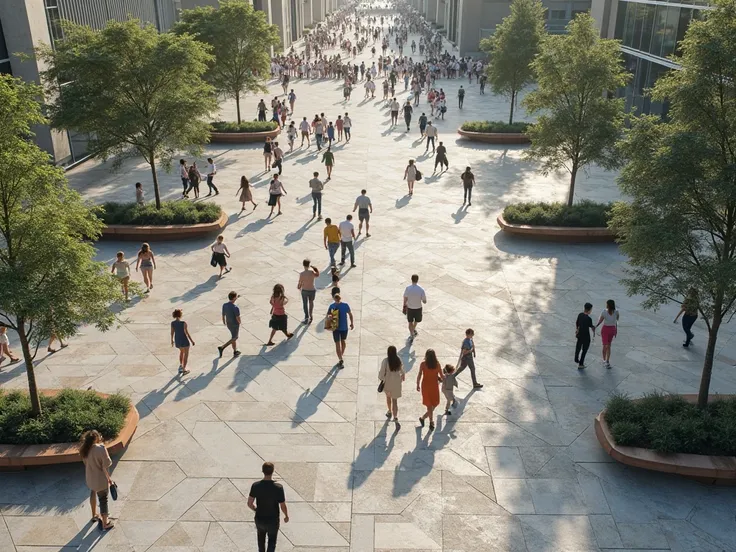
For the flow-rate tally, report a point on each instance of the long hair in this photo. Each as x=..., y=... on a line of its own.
x=430, y=358
x=244, y=182
x=394, y=362
x=145, y=248
x=610, y=306
x=278, y=291
x=89, y=439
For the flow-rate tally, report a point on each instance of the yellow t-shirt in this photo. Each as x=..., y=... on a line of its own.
x=332, y=233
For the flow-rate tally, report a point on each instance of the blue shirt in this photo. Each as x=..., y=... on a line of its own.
x=468, y=344
x=342, y=315
x=231, y=312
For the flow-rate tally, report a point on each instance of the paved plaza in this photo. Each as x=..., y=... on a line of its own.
x=516, y=468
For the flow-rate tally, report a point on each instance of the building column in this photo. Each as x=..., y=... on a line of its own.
x=307, y=10
x=318, y=10
x=431, y=13
x=442, y=7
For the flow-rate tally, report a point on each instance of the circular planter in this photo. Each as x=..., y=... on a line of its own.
x=242, y=137
x=564, y=234
x=130, y=232
x=18, y=457
x=495, y=137
x=714, y=470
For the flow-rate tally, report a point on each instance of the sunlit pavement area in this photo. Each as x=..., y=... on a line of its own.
x=516, y=467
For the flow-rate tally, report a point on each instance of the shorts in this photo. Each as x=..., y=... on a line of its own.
x=394, y=113
x=123, y=280
x=234, y=331
x=364, y=215
x=608, y=333
x=339, y=335
x=414, y=315
x=219, y=258
x=305, y=134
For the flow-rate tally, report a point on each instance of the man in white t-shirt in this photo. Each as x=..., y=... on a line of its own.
x=414, y=298
x=305, y=129
x=347, y=235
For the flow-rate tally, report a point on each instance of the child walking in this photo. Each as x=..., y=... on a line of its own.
x=448, y=388
x=5, y=346
x=121, y=269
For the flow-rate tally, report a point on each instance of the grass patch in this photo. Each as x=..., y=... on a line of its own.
x=171, y=212
x=585, y=214
x=244, y=126
x=670, y=424
x=494, y=126
x=65, y=417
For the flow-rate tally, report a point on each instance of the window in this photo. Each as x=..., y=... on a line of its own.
x=54, y=20
x=557, y=14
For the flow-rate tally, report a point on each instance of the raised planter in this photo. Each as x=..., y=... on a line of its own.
x=18, y=457
x=242, y=137
x=714, y=470
x=564, y=234
x=495, y=137
x=130, y=232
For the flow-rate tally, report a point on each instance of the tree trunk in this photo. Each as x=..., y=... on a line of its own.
x=511, y=113
x=28, y=359
x=156, y=191
x=237, y=105
x=708, y=362
x=573, y=176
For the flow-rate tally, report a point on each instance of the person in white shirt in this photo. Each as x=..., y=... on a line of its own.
x=365, y=208
x=609, y=318
x=347, y=125
x=414, y=298
x=211, y=171
x=395, y=106
x=431, y=133
x=305, y=129
x=347, y=235
x=184, y=174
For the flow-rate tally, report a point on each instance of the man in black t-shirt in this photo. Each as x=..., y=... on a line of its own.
x=268, y=497
x=583, y=325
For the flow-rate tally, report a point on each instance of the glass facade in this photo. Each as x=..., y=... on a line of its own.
x=4, y=55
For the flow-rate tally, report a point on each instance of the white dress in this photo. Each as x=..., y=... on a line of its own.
x=392, y=380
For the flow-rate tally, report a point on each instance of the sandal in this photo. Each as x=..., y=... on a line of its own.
x=50, y=350
x=270, y=344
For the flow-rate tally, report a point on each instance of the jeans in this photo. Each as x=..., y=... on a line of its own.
x=581, y=349
x=407, y=120
x=278, y=164
x=467, y=192
x=347, y=133
x=270, y=529
x=211, y=185
x=308, y=296
x=430, y=140
x=332, y=248
x=318, y=138
x=185, y=184
x=687, y=323
x=317, y=207
x=102, y=498
x=460, y=102
x=467, y=361
x=349, y=246
x=441, y=161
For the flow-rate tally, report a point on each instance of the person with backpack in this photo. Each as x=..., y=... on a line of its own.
x=460, y=96
x=337, y=321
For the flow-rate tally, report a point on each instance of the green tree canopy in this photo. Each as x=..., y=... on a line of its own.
x=135, y=91
x=513, y=47
x=578, y=122
x=48, y=279
x=241, y=41
x=679, y=231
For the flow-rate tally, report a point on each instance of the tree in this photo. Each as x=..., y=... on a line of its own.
x=679, y=230
x=579, y=122
x=49, y=281
x=133, y=90
x=513, y=47
x=241, y=41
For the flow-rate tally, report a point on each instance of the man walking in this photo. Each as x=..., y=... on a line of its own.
x=365, y=208
x=441, y=158
x=583, y=325
x=347, y=125
x=278, y=155
x=460, y=96
x=339, y=313
x=331, y=237
x=347, y=235
x=231, y=319
x=266, y=497
x=305, y=129
x=467, y=357
x=395, y=106
x=468, y=179
x=306, y=285
x=316, y=185
x=319, y=129
x=211, y=171
x=431, y=133
x=408, y=110
x=414, y=298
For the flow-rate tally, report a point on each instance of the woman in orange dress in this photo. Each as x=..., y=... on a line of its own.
x=428, y=382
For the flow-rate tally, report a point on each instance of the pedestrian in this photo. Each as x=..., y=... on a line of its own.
x=140, y=197
x=306, y=285
x=181, y=339
x=414, y=298
x=267, y=152
x=468, y=179
x=330, y=133
x=184, y=174
x=583, y=325
x=331, y=238
x=431, y=133
x=147, y=263
x=262, y=111
x=460, y=97
x=448, y=388
x=278, y=155
x=292, y=100
x=422, y=124
x=231, y=319
x=335, y=277
x=689, y=313
x=392, y=375
x=5, y=346
x=275, y=190
x=220, y=255
x=328, y=158
x=246, y=193
x=347, y=125
x=194, y=178
x=97, y=463
x=337, y=320
x=347, y=235
x=609, y=318
x=121, y=269
x=441, y=158
x=319, y=129
x=395, y=107
x=211, y=171
x=408, y=110
x=317, y=186
x=428, y=380
x=410, y=175
x=365, y=208
x=265, y=498
x=279, y=319
x=467, y=357
x=291, y=135
x=305, y=130
x=339, y=125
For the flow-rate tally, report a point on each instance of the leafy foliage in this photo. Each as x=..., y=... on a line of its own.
x=494, y=126
x=578, y=124
x=171, y=212
x=244, y=126
x=66, y=416
x=512, y=48
x=585, y=214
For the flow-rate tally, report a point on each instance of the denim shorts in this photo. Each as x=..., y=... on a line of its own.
x=339, y=335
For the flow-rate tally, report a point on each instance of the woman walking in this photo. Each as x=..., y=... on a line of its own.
x=328, y=158
x=275, y=189
x=279, y=319
x=392, y=375
x=689, y=313
x=121, y=269
x=5, y=346
x=181, y=339
x=194, y=178
x=428, y=380
x=267, y=152
x=96, y=464
x=410, y=175
x=147, y=263
x=609, y=318
x=220, y=255
x=246, y=194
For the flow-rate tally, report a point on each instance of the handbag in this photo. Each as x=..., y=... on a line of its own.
x=114, y=490
x=213, y=260
x=381, y=386
x=418, y=176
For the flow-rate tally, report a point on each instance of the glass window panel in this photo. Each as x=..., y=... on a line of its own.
x=641, y=10
x=620, y=20
x=670, y=34
x=5, y=68
x=54, y=23
x=3, y=48
x=658, y=30
x=685, y=18
x=646, y=33
x=628, y=38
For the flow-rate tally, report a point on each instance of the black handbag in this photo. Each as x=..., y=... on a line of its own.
x=213, y=260
x=381, y=386
x=418, y=176
x=114, y=490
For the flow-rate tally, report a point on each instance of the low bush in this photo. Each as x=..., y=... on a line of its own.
x=494, y=126
x=244, y=126
x=585, y=214
x=64, y=417
x=171, y=212
x=670, y=424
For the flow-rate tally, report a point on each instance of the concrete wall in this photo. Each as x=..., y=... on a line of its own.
x=318, y=10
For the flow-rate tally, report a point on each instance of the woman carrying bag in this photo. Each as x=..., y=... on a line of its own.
x=96, y=464
x=392, y=376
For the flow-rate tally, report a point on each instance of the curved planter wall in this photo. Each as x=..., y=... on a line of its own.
x=242, y=137
x=557, y=233
x=495, y=137
x=129, y=232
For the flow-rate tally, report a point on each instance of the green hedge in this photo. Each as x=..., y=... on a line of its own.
x=64, y=417
x=171, y=212
x=583, y=214
x=494, y=126
x=244, y=126
x=670, y=424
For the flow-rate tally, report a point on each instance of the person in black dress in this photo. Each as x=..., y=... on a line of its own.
x=583, y=325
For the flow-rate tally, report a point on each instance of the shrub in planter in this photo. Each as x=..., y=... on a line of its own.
x=585, y=214
x=494, y=126
x=244, y=126
x=171, y=212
